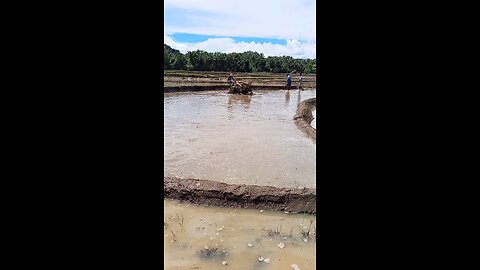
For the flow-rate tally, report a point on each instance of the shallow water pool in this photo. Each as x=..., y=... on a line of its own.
x=205, y=237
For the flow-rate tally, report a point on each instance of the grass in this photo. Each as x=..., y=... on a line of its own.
x=181, y=222
x=310, y=233
x=274, y=232
x=307, y=234
x=211, y=253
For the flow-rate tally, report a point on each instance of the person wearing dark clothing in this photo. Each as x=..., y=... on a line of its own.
x=289, y=81
x=231, y=80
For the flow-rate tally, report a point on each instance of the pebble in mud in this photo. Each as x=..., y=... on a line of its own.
x=250, y=245
x=224, y=263
x=295, y=267
x=261, y=259
x=267, y=260
x=281, y=245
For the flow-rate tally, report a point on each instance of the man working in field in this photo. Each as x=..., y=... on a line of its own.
x=289, y=81
x=231, y=80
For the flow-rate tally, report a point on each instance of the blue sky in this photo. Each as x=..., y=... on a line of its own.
x=271, y=27
x=185, y=37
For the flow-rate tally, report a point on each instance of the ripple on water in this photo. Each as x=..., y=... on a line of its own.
x=238, y=139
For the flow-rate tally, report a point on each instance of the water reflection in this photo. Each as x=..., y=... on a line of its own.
x=235, y=100
x=243, y=100
x=248, y=142
x=298, y=98
x=287, y=98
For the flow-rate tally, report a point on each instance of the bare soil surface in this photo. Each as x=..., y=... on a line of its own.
x=207, y=193
x=180, y=80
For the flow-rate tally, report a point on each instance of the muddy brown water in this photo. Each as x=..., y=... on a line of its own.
x=205, y=237
x=238, y=139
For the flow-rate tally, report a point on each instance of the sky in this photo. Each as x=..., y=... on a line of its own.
x=271, y=27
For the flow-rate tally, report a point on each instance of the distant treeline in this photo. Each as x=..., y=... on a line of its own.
x=238, y=62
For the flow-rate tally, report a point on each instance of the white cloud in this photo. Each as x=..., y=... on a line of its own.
x=293, y=48
x=280, y=19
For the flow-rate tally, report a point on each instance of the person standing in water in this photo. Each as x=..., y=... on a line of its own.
x=300, y=82
x=289, y=81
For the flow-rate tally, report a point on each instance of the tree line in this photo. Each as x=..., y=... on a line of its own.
x=237, y=62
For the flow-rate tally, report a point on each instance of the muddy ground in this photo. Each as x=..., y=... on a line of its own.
x=194, y=88
x=304, y=117
x=212, y=193
x=180, y=80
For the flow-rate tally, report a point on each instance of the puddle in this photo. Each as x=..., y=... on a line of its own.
x=191, y=228
x=238, y=139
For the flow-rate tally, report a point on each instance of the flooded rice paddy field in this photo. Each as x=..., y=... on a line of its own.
x=221, y=238
x=238, y=139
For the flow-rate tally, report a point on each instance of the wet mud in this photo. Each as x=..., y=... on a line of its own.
x=196, y=88
x=212, y=193
x=304, y=117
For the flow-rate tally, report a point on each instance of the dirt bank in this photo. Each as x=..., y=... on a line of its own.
x=205, y=192
x=304, y=117
x=194, y=88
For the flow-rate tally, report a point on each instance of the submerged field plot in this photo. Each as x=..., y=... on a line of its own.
x=238, y=139
x=238, y=151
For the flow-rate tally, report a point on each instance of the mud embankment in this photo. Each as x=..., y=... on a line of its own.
x=195, y=88
x=304, y=117
x=205, y=192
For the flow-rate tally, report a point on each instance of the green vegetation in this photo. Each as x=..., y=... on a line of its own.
x=236, y=62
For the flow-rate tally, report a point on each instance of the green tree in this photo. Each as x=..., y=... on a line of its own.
x=238, y=62
x=166, y=60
